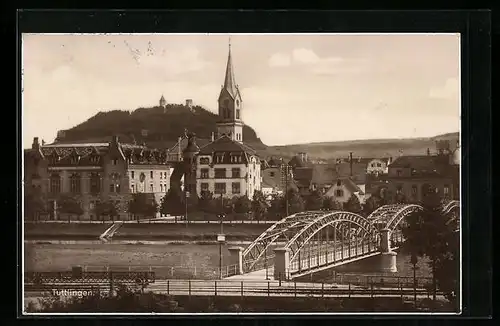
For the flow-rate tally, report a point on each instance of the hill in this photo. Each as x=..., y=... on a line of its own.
x=363, y=148
x=154, y=126
x=161, y=129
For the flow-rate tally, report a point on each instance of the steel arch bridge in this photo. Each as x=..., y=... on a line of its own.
x=313, y=231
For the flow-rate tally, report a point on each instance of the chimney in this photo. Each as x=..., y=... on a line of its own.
x=43, y=142
x=213, y=136
x=428, y=152
x=350, y=163
x=36, y=144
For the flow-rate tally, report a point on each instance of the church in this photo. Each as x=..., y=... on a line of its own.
x=227, y=166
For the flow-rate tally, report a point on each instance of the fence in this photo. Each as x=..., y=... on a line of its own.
x=279, y=288
x=156, y=221
x=169, y=272
x=89, y=277
x=382, y=280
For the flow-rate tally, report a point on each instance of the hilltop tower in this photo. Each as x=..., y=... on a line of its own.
x=230, y=105
x=163, y=103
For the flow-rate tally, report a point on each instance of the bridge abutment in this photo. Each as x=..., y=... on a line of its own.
x=388, y=262
x=387, y=257
x=236, y=259
x=281, y=263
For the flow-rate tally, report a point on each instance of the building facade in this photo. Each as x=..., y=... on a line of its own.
x=95, y=172
x=411, y=176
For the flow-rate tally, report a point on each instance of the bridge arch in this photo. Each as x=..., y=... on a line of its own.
x=279, y=230
x=297, y=242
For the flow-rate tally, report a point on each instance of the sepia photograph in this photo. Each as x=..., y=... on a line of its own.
x=241, y=173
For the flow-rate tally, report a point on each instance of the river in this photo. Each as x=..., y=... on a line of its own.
x=167, y=258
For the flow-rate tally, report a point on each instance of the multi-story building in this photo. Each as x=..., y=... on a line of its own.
x=227, y=166
x=412, y=176
x=93, y=172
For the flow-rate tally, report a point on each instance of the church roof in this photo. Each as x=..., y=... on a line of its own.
x=229, y=80
x=226, y=144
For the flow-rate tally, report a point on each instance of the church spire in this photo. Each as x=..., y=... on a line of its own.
x=229, y=80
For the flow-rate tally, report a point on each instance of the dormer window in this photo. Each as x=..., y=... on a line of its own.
x=75, y=159
x=339, y=183
x=114, y=161
x=204, y=160
x=94, y=159
x=219, y=158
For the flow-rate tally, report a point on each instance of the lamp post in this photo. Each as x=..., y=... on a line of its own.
x=414, y=261
x=186, y=202
x=221, y=239
x=285, y=167
x=265, y=263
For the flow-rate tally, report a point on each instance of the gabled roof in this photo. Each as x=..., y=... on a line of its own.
x=349, y=184
x=419, y=162
x=324, y=174
x=303, y=176
x=226, y=144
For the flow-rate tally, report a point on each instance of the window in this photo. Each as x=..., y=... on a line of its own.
x=339, y=183
x=237, y=102
x=399, y=189
x=75, y=159
x=236, y=172
x=339, y=193
x=219, y=158
x=75, y=184
x=235, y=188
x=151, y=174
x=94, y=159
x=446, y=191
x=132, y=174
x=114, y=185
x=237, y=113
x=414, y=190
x=161, y=187
x=132, y=188
x=161, y=175
x=399, y=172
x=114, y=161
x=220, y=188
x=204, y=174
x=271, y=174
x=204, y=160
x=204, y=187
x=95, y=183
x=220, y=173
x=55, y=183
x=379, y=165
x=164, y=175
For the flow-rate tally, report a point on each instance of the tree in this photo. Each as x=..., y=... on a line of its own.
x=353, y=205
x=295, y=202
x=400, y=198
x=206, y=203
x=242, y=204
x=35, y=204
x=143, y=204
x=314, y=201
x=172, y=203
x=329, y=203
x=429, y=233
x=69, y=205
x=106, y=208
x=259, y=205
x=371, y=204
x=277, y=205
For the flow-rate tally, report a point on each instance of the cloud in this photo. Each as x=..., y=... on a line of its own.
x=449, y=90
x=316, y=64
x=280, y=60
x=305, y=56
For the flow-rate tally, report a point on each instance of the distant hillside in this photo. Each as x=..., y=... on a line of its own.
x=363, y=148
x=152, y=126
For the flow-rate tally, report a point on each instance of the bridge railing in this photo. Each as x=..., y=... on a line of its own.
x=381, y=280
x=258, y=264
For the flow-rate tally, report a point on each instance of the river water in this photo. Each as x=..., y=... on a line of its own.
x=169, y=258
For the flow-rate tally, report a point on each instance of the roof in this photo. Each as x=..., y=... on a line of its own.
x=274, y=162
x=226, y=144
x=324, y=174
x=272, y=178
x=229, y=80
x=303, y=176
x=418, y=162
x=350, y=185
x=296, y=161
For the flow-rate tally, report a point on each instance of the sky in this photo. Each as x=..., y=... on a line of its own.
x=296, y=88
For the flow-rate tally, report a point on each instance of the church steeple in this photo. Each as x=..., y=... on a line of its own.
x=229, y=80
x=230, y=105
